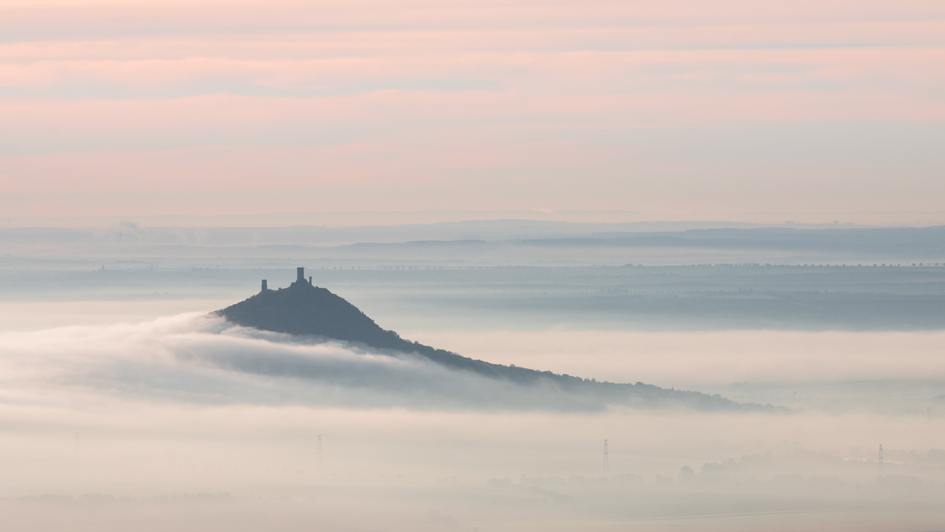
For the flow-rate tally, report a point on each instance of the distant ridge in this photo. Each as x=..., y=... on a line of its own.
x=305, y=309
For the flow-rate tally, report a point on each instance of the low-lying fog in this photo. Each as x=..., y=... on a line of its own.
x=123, y=406
x=184, y=422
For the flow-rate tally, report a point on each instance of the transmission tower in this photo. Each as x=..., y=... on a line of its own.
x=606, y=460
x=318, y=454
x=881, y=460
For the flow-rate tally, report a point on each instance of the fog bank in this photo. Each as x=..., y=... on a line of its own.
x=185, y=422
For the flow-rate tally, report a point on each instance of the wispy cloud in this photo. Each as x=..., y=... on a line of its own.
x=195, y=358
x=478, y=81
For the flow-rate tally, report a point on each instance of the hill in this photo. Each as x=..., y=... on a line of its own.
x=305, y=309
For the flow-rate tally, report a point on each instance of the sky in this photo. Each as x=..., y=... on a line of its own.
x=680, y=106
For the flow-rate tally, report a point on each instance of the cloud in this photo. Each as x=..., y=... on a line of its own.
x=195, y=358
x=156, y=96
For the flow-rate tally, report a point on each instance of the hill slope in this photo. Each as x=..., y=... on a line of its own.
x=303, y=309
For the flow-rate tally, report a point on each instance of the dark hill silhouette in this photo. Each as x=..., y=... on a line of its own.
x=304, y=309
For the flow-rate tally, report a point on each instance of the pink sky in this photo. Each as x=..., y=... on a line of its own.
x=144, y=108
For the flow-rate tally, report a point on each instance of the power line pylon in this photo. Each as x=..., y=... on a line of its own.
x=881, y=460
x=318, y=455
x=606, y=470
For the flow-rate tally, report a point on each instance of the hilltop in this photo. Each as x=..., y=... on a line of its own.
x=305, y=309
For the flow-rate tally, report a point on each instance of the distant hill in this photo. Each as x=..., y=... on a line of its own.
x=304, y=309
